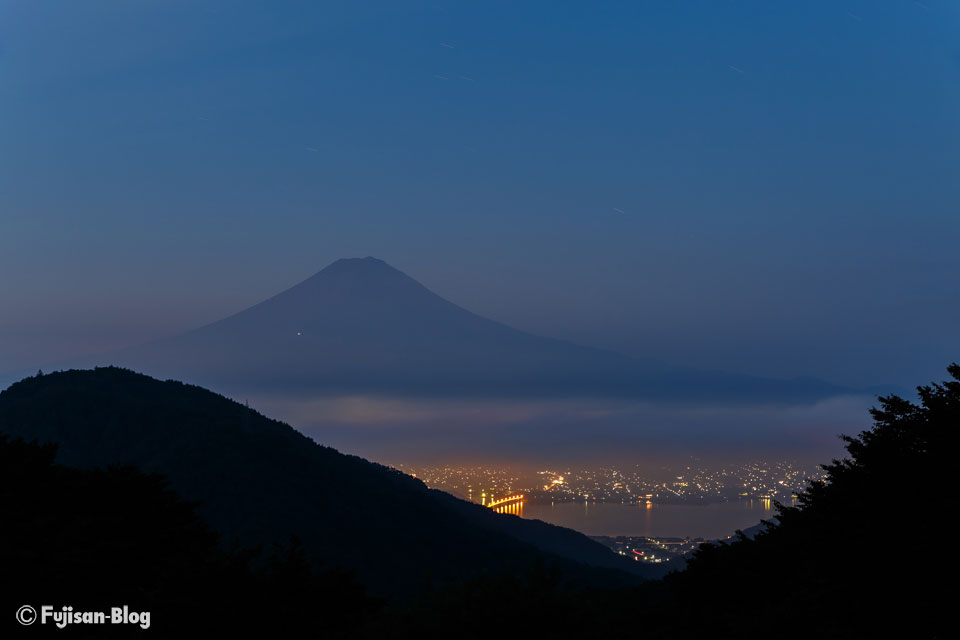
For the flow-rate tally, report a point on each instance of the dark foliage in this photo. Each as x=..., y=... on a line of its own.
x=864, y=554
x=93, y=539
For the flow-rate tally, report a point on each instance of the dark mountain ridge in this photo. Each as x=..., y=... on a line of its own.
x=260, y=481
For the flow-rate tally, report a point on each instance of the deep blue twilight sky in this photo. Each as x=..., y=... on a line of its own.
x=756, y=186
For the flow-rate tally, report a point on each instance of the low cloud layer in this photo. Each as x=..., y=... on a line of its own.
x=444, y=431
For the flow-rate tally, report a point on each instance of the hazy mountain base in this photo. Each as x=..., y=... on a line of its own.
x=361, y=326
x=362, y=344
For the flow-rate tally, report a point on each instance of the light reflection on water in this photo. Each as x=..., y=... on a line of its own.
x=515, y=508
x=656, y=520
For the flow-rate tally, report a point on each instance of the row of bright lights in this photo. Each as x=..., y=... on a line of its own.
x=515, y=498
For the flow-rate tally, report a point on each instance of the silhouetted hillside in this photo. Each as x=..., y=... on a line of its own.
x=361, y=326
x=259, y=481
x=93, y=539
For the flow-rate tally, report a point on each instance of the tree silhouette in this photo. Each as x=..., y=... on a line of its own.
x=863, y=552
x=93, y=539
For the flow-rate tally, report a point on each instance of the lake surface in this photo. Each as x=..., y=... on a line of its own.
x=667, y=520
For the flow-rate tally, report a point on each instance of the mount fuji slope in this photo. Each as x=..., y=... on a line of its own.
x=361, y=326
